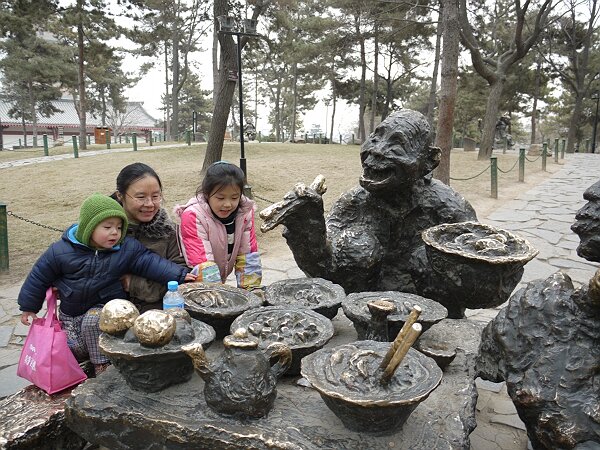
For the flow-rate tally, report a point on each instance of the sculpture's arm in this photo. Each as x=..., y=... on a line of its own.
x=301, y=213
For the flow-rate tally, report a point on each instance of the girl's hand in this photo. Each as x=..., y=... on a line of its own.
x=190, y=277
x=26, y=316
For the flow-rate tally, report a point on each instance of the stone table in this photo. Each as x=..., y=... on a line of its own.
x=107, y=412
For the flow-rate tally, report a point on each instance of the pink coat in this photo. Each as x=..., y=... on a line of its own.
x=203, y=239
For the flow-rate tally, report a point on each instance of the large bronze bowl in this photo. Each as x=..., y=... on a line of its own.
x=217, y=304
x=152, y=369
x=477, y=265
x=355, y=308
x=301, y=329
x=347, y=378
x=322, y=296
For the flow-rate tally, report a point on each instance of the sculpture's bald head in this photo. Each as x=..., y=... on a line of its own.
x=398, y=152
x=587, y=224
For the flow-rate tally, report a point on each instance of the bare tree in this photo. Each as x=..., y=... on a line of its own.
x=493, y=59
x=450, y=36
x=225, y=84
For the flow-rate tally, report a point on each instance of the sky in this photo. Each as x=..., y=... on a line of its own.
x=151, y=87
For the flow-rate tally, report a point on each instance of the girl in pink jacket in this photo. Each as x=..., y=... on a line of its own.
x=217, y=229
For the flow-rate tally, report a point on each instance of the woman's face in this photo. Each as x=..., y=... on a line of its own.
x=142, y=200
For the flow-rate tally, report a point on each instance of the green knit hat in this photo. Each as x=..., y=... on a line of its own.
x=95, y=209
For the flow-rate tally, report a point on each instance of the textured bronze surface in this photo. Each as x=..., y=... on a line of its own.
x=152, y=369
x=356, y=309
x=217, y=304
x=154, y=328
x=318, y=294
x=32, y=419
x=108, y=413
x=302, y=329
x=241, y=382
x=117, y=316
x=179, y=313
x=348, y=379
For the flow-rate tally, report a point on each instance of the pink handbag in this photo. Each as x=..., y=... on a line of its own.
x=46, y=359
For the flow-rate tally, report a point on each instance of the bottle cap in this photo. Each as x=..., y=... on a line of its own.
x=172, y=285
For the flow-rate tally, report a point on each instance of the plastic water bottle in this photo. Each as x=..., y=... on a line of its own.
x=173, y=299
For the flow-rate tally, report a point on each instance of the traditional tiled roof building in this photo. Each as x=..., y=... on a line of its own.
x=65, y=123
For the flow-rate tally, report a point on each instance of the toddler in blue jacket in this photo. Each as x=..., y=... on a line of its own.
x=86, y=266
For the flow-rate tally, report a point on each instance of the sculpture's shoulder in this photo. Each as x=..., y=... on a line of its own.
x=354, y=199
x=439, y=199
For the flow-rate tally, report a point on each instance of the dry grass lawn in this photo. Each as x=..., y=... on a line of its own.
x=51, y=193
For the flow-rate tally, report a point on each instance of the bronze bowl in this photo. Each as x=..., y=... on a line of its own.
x=322, y=296
x=301, y=329
x=347, y=378
x=478, y=265
x=355, y=308
x=152, y=369
x=217, y=304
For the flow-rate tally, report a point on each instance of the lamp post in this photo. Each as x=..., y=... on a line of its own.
x=227, y=27
x=595, y=96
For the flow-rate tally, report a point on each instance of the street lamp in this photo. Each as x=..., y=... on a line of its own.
x=227, y=27
x=595, y=96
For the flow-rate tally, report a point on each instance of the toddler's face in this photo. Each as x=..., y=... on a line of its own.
x=224, y=200
x=107, y=233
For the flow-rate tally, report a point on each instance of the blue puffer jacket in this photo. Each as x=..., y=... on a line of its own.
x=86, y=277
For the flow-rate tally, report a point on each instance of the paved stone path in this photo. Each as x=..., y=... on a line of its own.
x=543, y=215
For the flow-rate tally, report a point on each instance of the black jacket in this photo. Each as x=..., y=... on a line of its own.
x=86, y=277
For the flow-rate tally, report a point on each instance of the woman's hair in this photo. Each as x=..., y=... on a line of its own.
x=132, y=173
x=218, y=175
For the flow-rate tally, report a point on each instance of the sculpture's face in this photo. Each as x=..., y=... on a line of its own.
x=397, y=153
x=587, y=225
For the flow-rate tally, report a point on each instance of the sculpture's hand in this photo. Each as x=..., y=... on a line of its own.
x=294, y=201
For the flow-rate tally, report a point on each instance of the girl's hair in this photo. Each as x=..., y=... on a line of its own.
x=132, y=173
x=218, y=175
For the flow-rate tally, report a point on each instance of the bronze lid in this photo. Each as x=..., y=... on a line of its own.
x=240, y=339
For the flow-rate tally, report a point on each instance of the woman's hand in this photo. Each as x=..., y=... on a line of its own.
x=26, y=316
x=126, y=282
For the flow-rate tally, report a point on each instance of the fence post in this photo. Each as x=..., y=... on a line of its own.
x=89, y=138
x=556, y=150
x=562, y=149
x=151, y=138
x=188, y=138
x=108, y=139
x=587, y=145
x=75, y=147
x=340, y=139
x=45, y=140
x=352, y=138
x=521, y=165
x=494, y=176
x=544, y=155
x=134, y=141
x=3, y=237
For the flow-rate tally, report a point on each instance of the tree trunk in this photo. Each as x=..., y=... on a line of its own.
x=536, y=95
x=489, y=122
x=574, y=124
x=362, y=88
x=375, y=79
x=436, y=65
x=33, y=113
x=294, y=99
x=168, y=103
x=448, y=85
x=174, y=91
x=224, y=95
x=333, y=105
x=81, y=74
